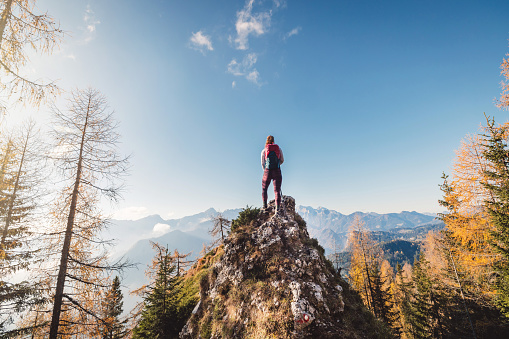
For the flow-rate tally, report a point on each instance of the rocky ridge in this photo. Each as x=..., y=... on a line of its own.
x=271, y=281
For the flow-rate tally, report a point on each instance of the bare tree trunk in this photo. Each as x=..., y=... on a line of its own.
x=15, y=190
x=57, y=305
x=369, y=298
x=3, y=19
x=5, y=161
x=462, y=295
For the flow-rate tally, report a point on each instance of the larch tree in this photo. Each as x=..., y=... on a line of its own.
x=461, y=299
x=221, y=226
x=468, y=226
x=21, y=192
x=26, y=183
x=365, y=260
x=181, y=262
x=87, y=156
x=503, y=102
x=22, y=30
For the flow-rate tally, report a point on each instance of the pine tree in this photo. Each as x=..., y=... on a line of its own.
x=158, y=317
x=425, y=315
x=114, y=327
x=380, y=297
x=498, y=184
x=402, y=304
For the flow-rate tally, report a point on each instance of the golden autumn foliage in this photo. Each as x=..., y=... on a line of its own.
x=23, y=29
x=468, y=231
x=365, y=257
x=86, y=283
x=503, y=102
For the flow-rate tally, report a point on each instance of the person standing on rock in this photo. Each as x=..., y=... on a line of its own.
x=272, y=158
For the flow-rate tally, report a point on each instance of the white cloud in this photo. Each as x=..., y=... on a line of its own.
x=234, y=68
x=71, y=56
x=201, y=42
x=160, y=229
x=249, y=23
x=131, y=213
x=253, y=76
x=245, y=68
x=234, y=84
x=280, y=3
x=293, y=32
x=90, y=23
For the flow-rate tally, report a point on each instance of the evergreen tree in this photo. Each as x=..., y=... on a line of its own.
x=496, y=152
x=425, y=315
x=402, y=304
x=114, y=327
x=381, y=297
x=158, y=317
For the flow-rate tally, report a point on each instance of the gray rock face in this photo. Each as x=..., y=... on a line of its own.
x=272, y=281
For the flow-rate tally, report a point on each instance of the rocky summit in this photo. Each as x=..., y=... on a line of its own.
x=272, y=281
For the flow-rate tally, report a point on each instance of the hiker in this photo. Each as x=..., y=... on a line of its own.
x=272, y=158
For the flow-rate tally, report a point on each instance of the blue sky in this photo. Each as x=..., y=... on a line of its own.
x=367, y=99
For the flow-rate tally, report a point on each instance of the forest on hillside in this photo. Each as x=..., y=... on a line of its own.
x=458, y=284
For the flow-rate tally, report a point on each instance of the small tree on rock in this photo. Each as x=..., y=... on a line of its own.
x=221, y=226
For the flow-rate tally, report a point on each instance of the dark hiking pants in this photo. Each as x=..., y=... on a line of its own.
x=268, y=176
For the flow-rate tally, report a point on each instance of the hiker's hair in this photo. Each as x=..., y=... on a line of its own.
x=270, y=140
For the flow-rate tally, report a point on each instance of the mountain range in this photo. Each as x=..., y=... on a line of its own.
x=190, y=234
x=331, y=227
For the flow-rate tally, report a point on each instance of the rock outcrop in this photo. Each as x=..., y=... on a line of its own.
x=272, y=281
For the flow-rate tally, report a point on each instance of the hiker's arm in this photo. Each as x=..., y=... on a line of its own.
x=263, y=159
x=281, y=157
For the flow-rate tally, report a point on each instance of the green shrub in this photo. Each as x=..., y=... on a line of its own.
x=300, y=221
x=246, y=216
x=312, y=242
x=206, y=328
